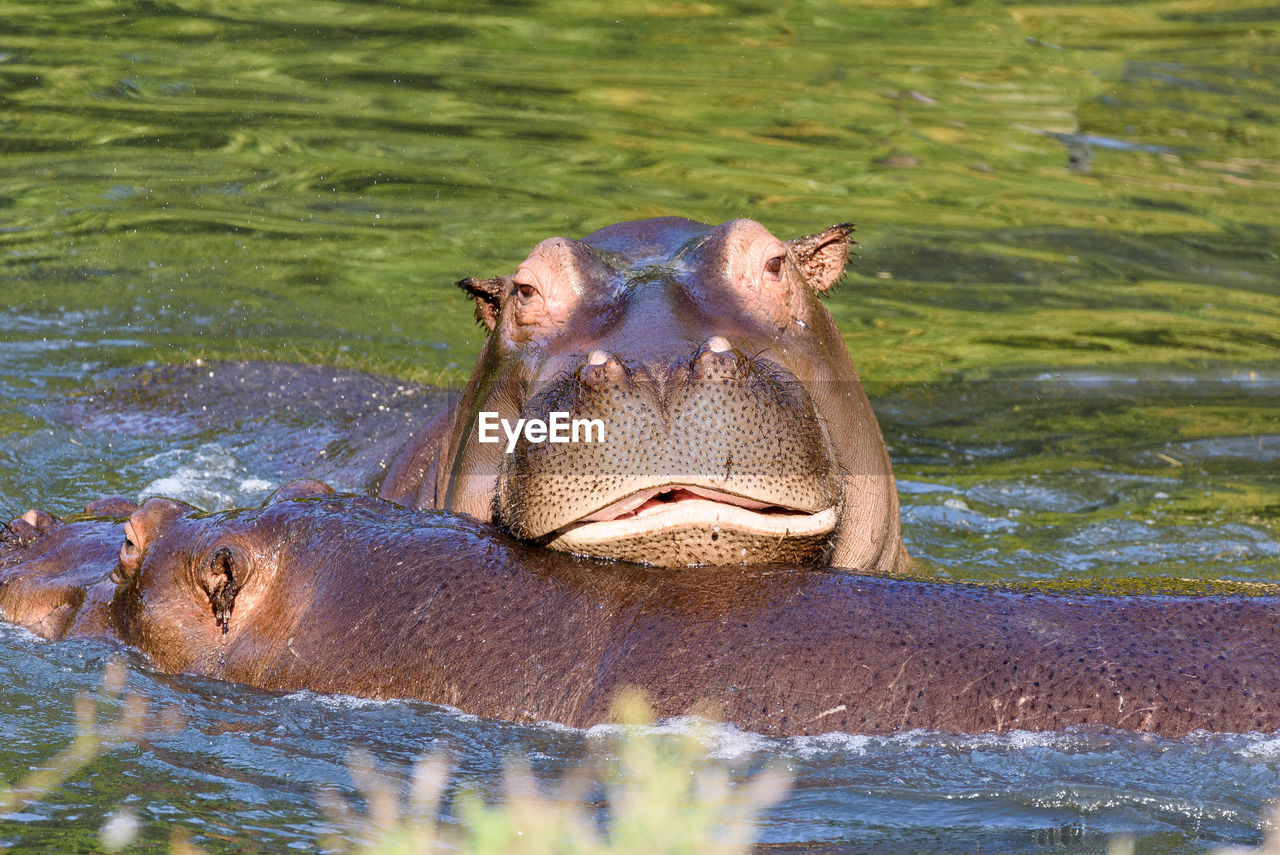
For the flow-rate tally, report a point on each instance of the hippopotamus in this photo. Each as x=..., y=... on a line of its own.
x=732, y=427
x=357, y=595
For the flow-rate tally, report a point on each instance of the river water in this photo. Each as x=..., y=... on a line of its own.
x=1066, y=308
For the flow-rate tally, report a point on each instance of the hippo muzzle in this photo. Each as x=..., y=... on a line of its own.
x=718, y=458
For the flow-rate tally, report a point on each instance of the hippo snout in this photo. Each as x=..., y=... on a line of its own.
x=714, y=457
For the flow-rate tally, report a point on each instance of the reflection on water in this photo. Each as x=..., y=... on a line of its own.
x=1065, y=307
x=1087, y=473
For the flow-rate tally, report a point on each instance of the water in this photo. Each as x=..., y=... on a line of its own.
x=1065, y=309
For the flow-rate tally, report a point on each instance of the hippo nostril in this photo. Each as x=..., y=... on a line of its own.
x=715, y=351
x=713, y=359
x=601, y=368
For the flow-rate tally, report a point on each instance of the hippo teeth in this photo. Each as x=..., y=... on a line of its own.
x=682, y=510
x=647, y=502
x=705, y=526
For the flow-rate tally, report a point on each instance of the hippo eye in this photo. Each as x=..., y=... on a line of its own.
x=531, y=308
x=774, y=265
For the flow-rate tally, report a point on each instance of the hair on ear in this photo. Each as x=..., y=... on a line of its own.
x=223, y=587
x=822, y=257
x=488, y=294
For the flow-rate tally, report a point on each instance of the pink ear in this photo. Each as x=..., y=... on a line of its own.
x=144, y=526
x=39, y=520
x=822, y=257
x=29, y=526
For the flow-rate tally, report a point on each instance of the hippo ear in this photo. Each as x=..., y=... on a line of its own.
x=488, y=294
x=145, y=525
x=221, y=580
x=28, y=527
x=822, y=257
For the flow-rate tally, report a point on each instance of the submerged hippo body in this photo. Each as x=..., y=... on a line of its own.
x=734, y=426
x=358, y=596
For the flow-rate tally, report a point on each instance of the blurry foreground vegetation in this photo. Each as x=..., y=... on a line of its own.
x=660, y=794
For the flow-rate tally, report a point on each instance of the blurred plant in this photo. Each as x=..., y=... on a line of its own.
x=1120, y=844
x=90, y=740
x=660, y=794
x=99, y=728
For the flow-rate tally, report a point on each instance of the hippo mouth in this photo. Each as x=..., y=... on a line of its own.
x=680, y=524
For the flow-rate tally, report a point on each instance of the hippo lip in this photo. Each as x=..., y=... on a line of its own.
x=645, y=502
x=685, y=506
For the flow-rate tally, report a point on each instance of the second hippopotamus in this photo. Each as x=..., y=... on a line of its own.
x=358, y=596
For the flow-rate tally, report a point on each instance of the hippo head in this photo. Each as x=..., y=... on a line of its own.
x=176, y=587
x=53, y=574
x=187, y=582
x=685, y=399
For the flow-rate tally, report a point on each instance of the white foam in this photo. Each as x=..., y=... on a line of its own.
x=837, y=743
x=209, y=477
x=721, y=741
x=825, y=744
x=340, y=702
x=1021, y=740
x=1264, y=748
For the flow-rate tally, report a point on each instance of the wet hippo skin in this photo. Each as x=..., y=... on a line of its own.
x=356, y=595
